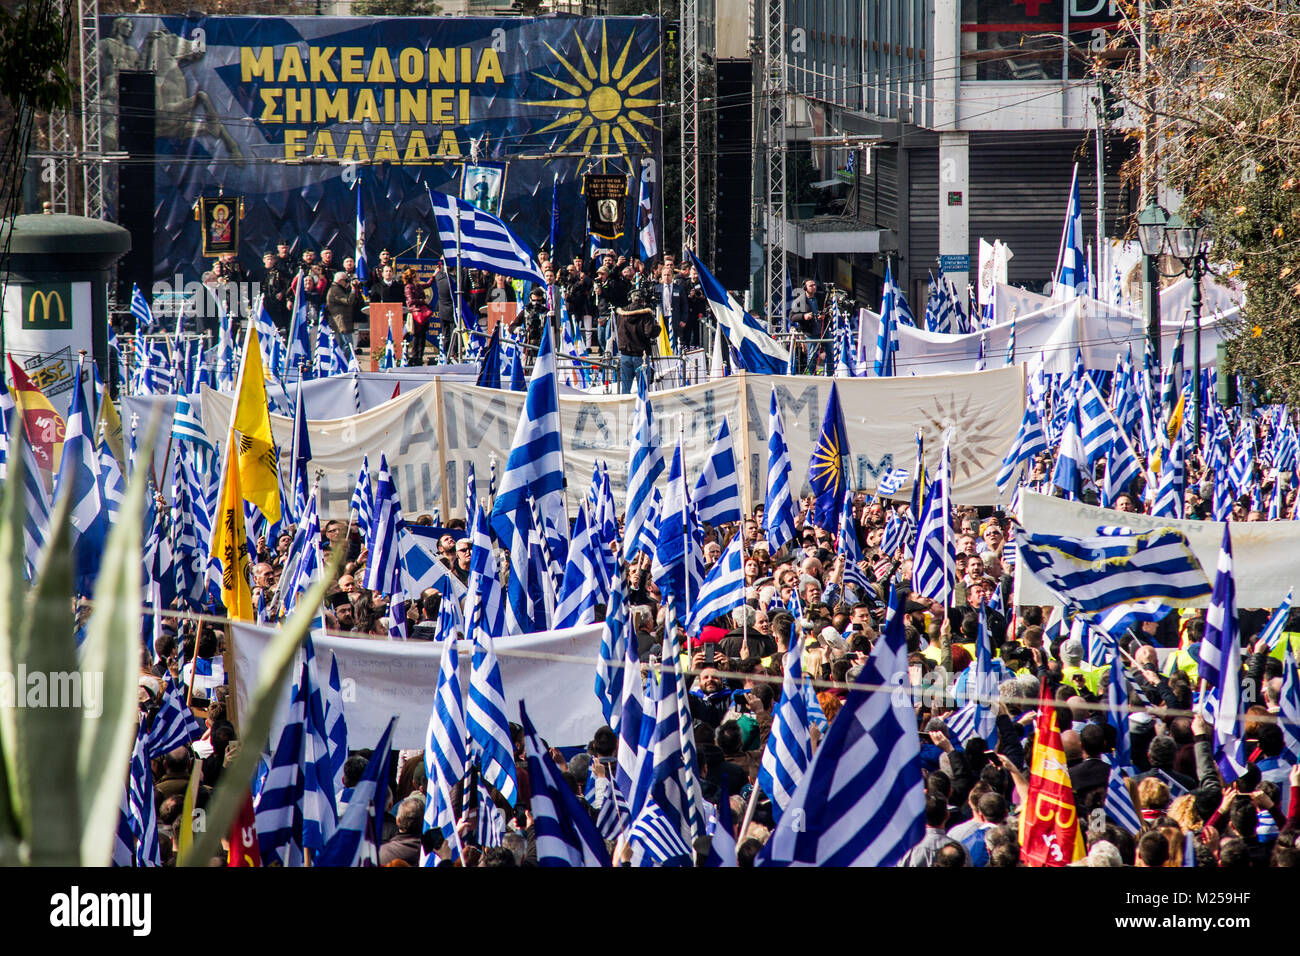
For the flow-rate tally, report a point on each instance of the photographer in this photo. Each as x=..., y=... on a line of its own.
x=530, y=319
x=343, y=302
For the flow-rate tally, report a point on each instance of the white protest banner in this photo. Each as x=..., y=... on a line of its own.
x=381, y=678
x=1265, y=554
x=431, y=434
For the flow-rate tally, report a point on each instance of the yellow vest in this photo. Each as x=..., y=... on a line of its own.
x=1091, y=676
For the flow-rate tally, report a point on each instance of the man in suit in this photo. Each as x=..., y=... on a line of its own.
x=671, y=296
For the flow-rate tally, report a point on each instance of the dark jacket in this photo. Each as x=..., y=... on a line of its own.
x=404, y=846
x=637, y=332
x=381, y=291
x=1087, y=775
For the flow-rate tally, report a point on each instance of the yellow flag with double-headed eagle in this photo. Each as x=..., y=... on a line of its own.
x=258, y=467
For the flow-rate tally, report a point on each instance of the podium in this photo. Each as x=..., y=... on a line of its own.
x=500, y=312
x=385, y=316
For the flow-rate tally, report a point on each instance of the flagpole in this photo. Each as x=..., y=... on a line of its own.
x=686, y=525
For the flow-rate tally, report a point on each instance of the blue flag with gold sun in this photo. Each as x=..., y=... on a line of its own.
x=828, y=471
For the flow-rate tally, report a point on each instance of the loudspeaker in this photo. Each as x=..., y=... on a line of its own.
x=735, y=172
x=135, y=193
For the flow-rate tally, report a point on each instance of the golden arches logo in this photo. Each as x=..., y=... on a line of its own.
x=47, y=299
x=604, y=100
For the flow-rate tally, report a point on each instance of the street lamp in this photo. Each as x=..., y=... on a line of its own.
x=1151, y=236
x=1185, y=240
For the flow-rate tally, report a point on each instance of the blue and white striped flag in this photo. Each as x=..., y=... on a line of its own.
x=535, y=468
x=485, y=719
x=1276, y=625
x=656, y=841
x=890, y=482
x=174, y=724
x=1027, y=445
x=78, y=478
x=1220, y=666
x=645, y=465
x=362, y=825
x=1117, y=707
x=861, y=801
x=1119, y=804
x=363, y=500
x=756, y=350
x=717, y=490
x=140, y=311
x=319, y=806
x=778, y=507
x=445, y=755
x=723, y=588
x=278, y=810
x=484, y=607
x=136, y=841
x=480, y=240
x=670, y=557
x=1072, y=269
x=383, y=565
x=1071, y=473
x=584, y=576
x=1289, y=706
x=789, y=744
x=564, y=832
x=613, y=646
x=1096, y=573
x=362, y=264
x=934, y=569
x=1170, y=502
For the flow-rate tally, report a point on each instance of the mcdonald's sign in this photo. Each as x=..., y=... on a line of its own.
x=47, y=308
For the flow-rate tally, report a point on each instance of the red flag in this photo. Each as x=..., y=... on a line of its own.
x=1049, y=824
x=397, y=390
x=44, y=426
x=243, y=837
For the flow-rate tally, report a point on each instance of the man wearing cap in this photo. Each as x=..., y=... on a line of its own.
x=343, y=304
x=1075, y=671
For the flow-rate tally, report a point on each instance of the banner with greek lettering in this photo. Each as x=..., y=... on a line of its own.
x=432, y=433
x=553, y=671
x=285, y=111
x=1263, y=552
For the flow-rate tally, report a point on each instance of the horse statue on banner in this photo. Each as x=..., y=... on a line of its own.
x=178, y=110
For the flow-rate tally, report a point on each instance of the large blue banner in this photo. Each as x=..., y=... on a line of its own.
x=287, y=111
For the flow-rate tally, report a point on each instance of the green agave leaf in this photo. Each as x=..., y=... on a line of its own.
x=49, y=731
x=112, y=650
x=12, y=588
x=256, y=723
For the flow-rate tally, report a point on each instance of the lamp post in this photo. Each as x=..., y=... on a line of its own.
x=1185, y=243
x=1184, y=239
x=1151, y=236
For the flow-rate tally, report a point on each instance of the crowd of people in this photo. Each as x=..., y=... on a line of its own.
x=798, y=598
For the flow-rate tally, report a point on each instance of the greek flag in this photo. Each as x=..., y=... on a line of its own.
x=669, y=567
x=482, y=242
x=534, y=468
x=721, y=830
x=655, y=839
x=890, y=482
x=612, y=813
x=717, y=490
x=1272, y=632
x=383, y=566
x=422, y=569
x=899, y=528
x=186, y=426
x=1027, y=445
x=278, y=810
x=1169, y=501
x=363, y=270
x=778, y=508
x=140, y=311
x=1072, y=269
x=886, y=344
x=1117, y=707
x=635, y=727
x=861, y=801
x=584, y=585
x=1220, y=666
x=1096, y=573
x=645, y=236
x=1071, y=474
x=1289, y=706
x=363, y=500
x=319, y=809
x=445, y=757
x=362, y=823
x=613, y=648
x=758, y=352
x=1119, y=803
x=789, y=744
x=935, y=565
x=79, y=479
x=484, y=601
x=485, y=718
x=389, y=361
x=227, y=359
x=565, y=833
x=136, y=841
x=723, y=588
